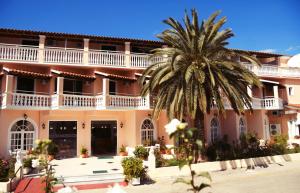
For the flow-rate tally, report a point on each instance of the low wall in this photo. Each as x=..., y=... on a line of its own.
x=223, y=165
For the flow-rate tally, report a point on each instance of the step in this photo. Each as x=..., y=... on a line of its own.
x=99, y=178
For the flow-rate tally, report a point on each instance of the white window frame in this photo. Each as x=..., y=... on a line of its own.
x=35, y=133
x=291, y=90
x=146, y=130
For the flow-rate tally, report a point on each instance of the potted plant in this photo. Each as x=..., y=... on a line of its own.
x=27, y=165
x=52, y=150
x=123, y=151
x=133, y=170
x=83, y=152
x=141, y=152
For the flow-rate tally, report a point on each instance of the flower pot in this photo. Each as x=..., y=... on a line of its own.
x=26, y=170
x=50, y=157
x=136, y=181
x=123, y=154
x=84, y=155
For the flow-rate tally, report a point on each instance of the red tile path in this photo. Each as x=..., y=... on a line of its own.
x=35, y=185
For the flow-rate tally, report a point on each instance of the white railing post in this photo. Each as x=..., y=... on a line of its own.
x=86, y=51
x=127, y=54
x=41, y=48
x=105, y=91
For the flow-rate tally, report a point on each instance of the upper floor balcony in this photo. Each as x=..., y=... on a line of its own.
x=105, y=58
x=71, y=102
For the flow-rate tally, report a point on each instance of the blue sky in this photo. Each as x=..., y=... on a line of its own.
x=270, y=25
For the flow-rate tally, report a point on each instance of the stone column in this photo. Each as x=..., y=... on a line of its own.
x=9, y=87
x=86, y=51
x=275, y=91
x=59, y=92
x=105, y=92
x=41, y=48
x=127, y=54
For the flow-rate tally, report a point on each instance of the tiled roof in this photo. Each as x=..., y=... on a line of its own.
x=109, y=38
x=73, y=75
x=81, y=36
x=116, y=76
x=26, y=73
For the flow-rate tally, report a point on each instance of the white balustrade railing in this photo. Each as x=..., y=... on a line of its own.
x=78, y=101
x=116, y=101
x=107, y=58
x=11, y=52
x=100, y=101
x=60, y=55
x=30, y=100
x=272, y=103
x=143, y=60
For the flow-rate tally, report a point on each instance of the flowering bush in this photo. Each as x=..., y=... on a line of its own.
x=188, y=150
x=6, y=169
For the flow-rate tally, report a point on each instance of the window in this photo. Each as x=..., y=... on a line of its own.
x=112, y=87
x=291, y=91
x=22, y=135
x=72, y=86
x=109, y=48
x=214, y=129
x=30, y=42
x=147, y=131
x=242, y=126
x=25, y=85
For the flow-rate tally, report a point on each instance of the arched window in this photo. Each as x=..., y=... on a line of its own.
x=242, y=126
x=147, y=130
x=22, y=135
x=214, y=129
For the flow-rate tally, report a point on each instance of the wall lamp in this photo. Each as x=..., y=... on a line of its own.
x=83, y=125
x=121, y=124
x=43, y=126
x=25, y=116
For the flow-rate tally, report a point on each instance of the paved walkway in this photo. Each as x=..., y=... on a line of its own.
x=277, y=178
x=86, y=166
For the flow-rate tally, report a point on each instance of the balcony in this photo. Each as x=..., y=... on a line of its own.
x=258, y=103
x=67, y=56
x=67, y=101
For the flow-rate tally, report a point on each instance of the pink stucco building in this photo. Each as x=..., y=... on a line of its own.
x=82, y=90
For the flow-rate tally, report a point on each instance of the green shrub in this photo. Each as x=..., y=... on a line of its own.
x=83, y=151
x=141, y=152
x=27, y=162
x=279, y=146
x=4, y=169
x=52, y=149
x=133, y=168
x=122, y=149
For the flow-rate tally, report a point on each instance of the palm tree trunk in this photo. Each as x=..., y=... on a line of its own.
x=200, y=134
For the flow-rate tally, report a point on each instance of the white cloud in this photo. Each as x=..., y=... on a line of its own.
x=268, y=50
x=292, y=48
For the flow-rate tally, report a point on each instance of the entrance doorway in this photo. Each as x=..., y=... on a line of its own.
x=64, y=134
x=104, y=137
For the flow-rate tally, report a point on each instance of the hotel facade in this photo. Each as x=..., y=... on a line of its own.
x=83, y=91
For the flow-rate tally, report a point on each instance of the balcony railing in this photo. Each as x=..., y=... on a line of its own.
x=11, y=52
x=30, y=100
x=64, y=56
x=258, y=103
x=50, y=55
x=34, y=101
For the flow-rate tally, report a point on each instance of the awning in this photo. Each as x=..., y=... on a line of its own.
x=293, y=106
x=139, y=74
x=114, y=76
x=73, y=75
x=269, y=81
x=26, y=73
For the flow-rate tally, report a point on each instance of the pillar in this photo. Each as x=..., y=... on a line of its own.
x=9, y=87
x=105, y=91
x=41, y=48
x=127, y=54
x=275, y=90
x=57, y=99
x=86, y=51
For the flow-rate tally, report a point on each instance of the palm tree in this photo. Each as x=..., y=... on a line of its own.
x=198, y=71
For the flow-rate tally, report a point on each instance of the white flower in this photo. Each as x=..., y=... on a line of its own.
x=35, y=163
x=116, y=189
x=67, y=189
x=172, y=126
